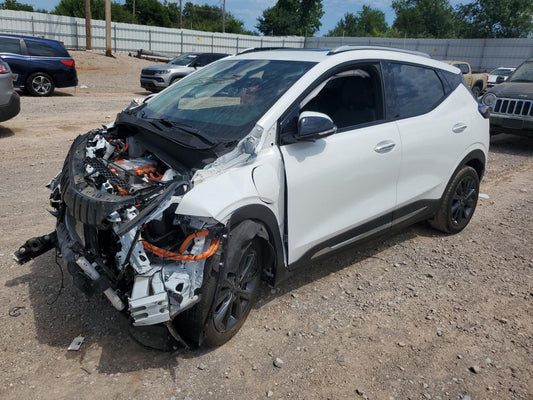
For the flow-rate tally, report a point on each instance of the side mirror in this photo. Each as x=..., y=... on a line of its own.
x=314, y=125
x=500, y=79
x=195, y=65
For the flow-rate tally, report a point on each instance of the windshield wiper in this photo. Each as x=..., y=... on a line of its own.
x=183, y=128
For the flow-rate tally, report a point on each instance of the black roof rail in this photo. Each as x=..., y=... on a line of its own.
x=342, y=49
x=256, y=49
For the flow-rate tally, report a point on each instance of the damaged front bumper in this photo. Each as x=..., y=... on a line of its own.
x=129, y=244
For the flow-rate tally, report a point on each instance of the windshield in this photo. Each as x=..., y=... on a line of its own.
x=184, y=59
x=224, y=101
x=524, y=73
x=501, y=72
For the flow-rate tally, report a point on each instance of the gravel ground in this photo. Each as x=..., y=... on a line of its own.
x=417, y=315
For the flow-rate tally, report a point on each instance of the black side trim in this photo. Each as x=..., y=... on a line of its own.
x=263, y=214
x=413, y=213
x=383, y=221
x=405, y=216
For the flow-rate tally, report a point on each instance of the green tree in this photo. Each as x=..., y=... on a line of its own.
x=149, y=12
x=76, y=8
x=495, y=19
x=367, y=22
x=155, y=13
x=424, y=18
x=291, y=17
x=15, y=5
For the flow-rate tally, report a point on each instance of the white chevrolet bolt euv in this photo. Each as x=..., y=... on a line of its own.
x=254, y=166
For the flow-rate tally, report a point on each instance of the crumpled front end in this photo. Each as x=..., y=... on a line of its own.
x=118, y=231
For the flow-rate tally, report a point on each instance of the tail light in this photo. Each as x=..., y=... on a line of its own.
x=4, y=68
x=484, y=110
x=69, y=63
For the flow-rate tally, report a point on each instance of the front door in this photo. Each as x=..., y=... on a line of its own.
x=343, y=186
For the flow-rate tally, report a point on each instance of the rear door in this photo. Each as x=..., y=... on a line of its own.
x=13, y=51
x=433, y=113
x=341, y=187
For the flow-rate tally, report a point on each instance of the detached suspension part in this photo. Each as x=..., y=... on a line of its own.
x=34, y=247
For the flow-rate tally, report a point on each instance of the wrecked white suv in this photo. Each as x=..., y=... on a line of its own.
x=254, y=166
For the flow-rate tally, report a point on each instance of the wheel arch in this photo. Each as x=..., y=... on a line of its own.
x=40, y=70
x=475, y=159
x=176, y=76
x=275, y=269
x=479, y=84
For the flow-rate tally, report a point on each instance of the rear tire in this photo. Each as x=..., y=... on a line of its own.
x=476, y=91
x=40, y=84
x=458, y=203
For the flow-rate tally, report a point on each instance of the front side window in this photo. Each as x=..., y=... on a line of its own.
x=349, y=98
x=225, y=100
x=10, y=45
x=416, y=89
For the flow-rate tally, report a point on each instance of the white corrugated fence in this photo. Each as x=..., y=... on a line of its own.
x=129, y=37
x=482, y=54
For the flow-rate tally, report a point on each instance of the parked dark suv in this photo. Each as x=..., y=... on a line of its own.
x=38, y=65
x=511, y=103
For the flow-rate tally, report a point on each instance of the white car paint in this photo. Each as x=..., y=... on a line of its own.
x=340, y=182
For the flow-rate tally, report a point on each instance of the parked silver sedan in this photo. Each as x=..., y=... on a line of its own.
x=9, y=99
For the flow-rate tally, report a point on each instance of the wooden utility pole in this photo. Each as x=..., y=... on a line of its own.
x=108, y=28
x=224, y=16
x=88, y=39
x=133, y=11
x=181, y=14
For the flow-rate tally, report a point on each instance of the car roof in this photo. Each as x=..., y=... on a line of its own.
x=195, y=53
x=344, y=53
x=25, y=37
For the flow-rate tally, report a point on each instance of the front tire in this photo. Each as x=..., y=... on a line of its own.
x=476, y=91
x=459, y=202
x=40, y=84
x=229, y=290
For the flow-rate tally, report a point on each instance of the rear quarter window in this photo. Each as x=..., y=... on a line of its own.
x=44, y=50
x=416, y=89
x=10, y=45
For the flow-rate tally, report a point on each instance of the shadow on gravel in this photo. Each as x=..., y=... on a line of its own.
x=5, y=132
x=143, y=93
x=511, y=144
x=62, y=312
x=56, y=93
x=343, y=259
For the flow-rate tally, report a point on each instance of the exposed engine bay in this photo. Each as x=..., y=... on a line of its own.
x=118, y=231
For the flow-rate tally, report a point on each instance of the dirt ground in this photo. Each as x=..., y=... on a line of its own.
x=418, y=315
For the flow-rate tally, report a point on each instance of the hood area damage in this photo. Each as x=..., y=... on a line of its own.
x=118, y=231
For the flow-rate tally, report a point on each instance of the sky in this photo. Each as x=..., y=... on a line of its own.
x=248, y=10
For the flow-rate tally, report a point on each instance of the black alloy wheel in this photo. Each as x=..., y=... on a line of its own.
x=232, y=280
x=458, y=203
x=464, y=200
x=237, y=291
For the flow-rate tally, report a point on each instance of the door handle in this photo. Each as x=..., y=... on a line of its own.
x=460, y=127
x=384, y=147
